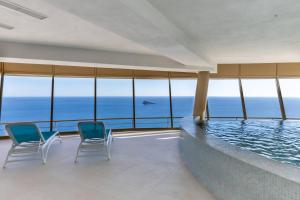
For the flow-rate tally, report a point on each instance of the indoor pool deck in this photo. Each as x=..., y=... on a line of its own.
x=142, y=167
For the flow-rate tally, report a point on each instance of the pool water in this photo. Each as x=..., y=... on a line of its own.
x=274, y=139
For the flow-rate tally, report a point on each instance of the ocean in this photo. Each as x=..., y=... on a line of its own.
x=266, y=107
x=15, y=109
x=73, y=108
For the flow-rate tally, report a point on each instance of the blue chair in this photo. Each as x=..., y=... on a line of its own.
x=93, y=136
x=27, y=138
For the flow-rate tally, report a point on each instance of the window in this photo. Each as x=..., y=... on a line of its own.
x=114, y=100
x=290, y=89
x=183, y=94
x=73, y=100
x=224, y=98
x=261, y=98
x=27, y=99
x=152, y=103
x=2, y=130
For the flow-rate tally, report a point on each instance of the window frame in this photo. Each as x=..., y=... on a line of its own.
x=282, y=97
x=241, y=96
x=170, y=117
x=98, y=96
x=278, y=92
x=54, y=121
x=2, y=81
x=171, y=96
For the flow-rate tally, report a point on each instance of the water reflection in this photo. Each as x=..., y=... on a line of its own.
x=274, y=139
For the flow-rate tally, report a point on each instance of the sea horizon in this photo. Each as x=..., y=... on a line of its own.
x=34, y=108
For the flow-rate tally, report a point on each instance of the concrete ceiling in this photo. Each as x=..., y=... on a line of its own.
x=239, y=31
x=187, y=35
x=63, y=29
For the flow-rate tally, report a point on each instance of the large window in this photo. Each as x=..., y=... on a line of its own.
x=152, y=103
x=114, y=100
x=27, y=99
x=73, y=100
x=183, y=94
x=224, y=98
x=290, y=89
x=261, y=98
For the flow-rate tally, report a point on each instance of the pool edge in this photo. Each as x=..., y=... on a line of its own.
x=229, y=172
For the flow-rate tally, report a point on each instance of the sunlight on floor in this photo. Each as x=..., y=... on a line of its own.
x=144, y=165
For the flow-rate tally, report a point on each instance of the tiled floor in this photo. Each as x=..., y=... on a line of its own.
x=142, y=167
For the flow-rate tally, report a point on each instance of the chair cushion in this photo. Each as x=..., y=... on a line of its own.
x=92, y=130
x=94, y=134
x=24, y=132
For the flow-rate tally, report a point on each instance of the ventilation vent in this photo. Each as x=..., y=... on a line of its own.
x=21, y=9
x=5, y=26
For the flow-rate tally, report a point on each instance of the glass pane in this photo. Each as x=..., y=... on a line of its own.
x=118, y=123
x=290, y=89
x=27, y=99
x=73, y=100
x=154, y=123
x=261, y=98
x=65, y=126
x=152, y=100
x=2, y=129
x=224, y=98
x=183, y=94
x=114, y=100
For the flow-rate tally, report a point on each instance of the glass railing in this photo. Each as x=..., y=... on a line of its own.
x=110, y=123
x=153, y=122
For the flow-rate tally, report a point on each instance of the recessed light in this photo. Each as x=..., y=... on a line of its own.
x=21, y=9
x=5, y=26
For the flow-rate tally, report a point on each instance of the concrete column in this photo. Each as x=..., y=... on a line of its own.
x=201, y=95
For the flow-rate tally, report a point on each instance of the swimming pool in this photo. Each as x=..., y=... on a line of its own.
x=220, y=154
x=275, y=139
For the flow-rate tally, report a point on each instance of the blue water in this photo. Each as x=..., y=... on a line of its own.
x=279, y=140
x=267, y=107
x=72, y=108
x=274, y=139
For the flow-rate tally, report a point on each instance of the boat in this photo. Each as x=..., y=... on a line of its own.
x=147, y=102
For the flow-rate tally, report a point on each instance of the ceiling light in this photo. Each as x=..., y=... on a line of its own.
x=21, y=9
x=5, y=26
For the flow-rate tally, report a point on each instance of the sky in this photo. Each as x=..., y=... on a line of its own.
x=251, y=88
x=17, y=86
x=254, y=88
x=41, y=86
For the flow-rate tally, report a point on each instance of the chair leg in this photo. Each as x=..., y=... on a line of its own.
x=107, y=147
x=107, y=152
x=43, y=155
x=59, y=138
x=7, y=157
x=78, y=150
x=47, y=147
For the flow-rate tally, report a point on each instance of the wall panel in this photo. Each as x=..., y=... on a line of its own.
x=288, y=69
x=256, y=70
x=183, y=75
x=227, y=70
x=150, y=74
x=27, y=69
x=74, y=71
x=106, y=72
